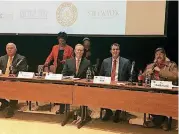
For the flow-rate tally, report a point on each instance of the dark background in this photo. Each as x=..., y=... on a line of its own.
x=36, y=48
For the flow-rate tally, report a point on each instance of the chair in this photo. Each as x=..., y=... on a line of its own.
x=46, y=69
x=169, y=120
x=51, y=68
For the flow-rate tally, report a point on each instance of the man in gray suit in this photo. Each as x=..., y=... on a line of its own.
x=17, y=63
x=118, y=68
x=76, y=67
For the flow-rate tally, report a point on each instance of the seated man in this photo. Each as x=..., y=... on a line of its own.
x=162, y=69
x=118, y=68
x=18, y=63
x=77, y=66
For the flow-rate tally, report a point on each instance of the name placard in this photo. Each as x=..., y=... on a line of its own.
x=51, y=76
x=161, y=84
x=68, y=77
x=102, y=80
x=22, y=74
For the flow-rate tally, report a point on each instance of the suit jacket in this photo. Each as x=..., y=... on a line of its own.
x=123, y=72
x=69, y=68
x=17, y=57
x=68, y=53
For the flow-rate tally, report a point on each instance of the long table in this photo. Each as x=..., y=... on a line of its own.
x=127, y=98
x=130, y=98
x=82, y=93
x=36, y=90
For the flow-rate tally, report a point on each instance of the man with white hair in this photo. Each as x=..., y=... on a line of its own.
x=76, y=66
x=18, y=63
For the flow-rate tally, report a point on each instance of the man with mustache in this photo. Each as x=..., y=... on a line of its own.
x=162, y=69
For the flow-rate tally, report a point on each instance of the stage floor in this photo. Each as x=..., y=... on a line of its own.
x=41, y=121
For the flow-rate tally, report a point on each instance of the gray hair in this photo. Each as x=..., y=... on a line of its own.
x=10, y=43
x=79, y=45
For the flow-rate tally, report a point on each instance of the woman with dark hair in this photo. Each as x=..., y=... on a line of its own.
x=59, y=54
x=90, y=56
x=87, y=48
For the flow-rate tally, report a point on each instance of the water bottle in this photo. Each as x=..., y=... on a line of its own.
x=88, y=74
x=40, y=72
x=11, y=69
x=140, y=78
x=147, y=80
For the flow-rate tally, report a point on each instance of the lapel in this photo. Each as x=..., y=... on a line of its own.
x=56, y=52
x=74, y=65
x=5, y=61
x=65, y=53
x=120, y=68
x=110, y=66
x=14, y=61
x=80, y=67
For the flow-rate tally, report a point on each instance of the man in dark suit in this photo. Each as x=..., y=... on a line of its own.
x=17, y=63
x=76, y=67
x=118, y=68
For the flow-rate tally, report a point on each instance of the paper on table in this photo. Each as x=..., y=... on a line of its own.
x=76, y=78
x=121, y=84
x=68, y=77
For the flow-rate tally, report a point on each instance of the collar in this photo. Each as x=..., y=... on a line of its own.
x=10, y=56
x=116, y=59
x=77, y=59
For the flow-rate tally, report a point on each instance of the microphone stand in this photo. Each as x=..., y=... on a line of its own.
x=131, y=80
x=131, y=75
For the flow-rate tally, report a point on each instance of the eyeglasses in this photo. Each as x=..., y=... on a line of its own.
x=79, y=50
x=115, y=49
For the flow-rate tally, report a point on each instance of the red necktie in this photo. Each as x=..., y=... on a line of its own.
x=113, y=73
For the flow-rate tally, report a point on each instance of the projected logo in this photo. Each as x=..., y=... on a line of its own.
x=6, y=16
x=105, y=13
x=33, y=14
x=66, y=14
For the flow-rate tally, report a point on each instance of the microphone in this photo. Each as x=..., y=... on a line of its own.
x=19, y=62
x=154, y=66
x=131, y=74
x=132, y=68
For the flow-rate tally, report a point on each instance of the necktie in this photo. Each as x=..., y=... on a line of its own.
x=8, y=65
x=77, y=65
x=113, y=73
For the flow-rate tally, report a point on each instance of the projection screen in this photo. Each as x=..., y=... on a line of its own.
x=82, y=17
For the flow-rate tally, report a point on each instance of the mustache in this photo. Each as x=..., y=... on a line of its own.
x=159, y=58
